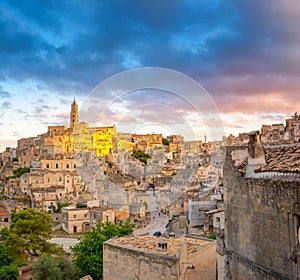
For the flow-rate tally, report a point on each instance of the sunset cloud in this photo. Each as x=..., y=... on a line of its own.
x=246, y=54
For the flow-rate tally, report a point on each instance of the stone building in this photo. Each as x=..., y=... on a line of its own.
x=218, y=226
x=262, y=212
x=293, y=129
x=83, y=219
x=149, y=257
x=66, y=164
x=46, y=179
x=75, y=219
x=272, y=133
x=146, y=142
x=8, y=155
x=5, y=217
x=62, y=141
x=44, y=199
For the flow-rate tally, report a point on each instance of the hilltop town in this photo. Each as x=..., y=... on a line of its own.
x=195, y=205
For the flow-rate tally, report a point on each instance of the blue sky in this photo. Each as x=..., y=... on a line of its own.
x=246, y=54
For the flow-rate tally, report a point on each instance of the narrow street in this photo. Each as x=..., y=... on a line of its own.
x=158, y=219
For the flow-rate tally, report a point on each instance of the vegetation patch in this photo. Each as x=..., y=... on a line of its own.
x=141, y=156
x=19, y=172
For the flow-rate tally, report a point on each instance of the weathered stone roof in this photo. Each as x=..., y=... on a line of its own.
x=242, y=167
x=279, y=158
x=196, y=245
x=148, y=244
x=283, y=159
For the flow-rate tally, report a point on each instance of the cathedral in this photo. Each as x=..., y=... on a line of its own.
x=65, y=142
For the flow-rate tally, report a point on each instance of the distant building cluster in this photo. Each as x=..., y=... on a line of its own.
x=272, y=134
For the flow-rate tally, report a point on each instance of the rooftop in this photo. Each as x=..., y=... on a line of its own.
x=196, y=245
x=279, y=158
x=148, y=244
x=285, y=158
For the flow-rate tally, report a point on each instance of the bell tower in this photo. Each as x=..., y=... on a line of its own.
x=74, y=115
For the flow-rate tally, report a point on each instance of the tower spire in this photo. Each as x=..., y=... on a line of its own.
x=74, y=115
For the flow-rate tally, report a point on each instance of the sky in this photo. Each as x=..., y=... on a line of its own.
x=244, y=54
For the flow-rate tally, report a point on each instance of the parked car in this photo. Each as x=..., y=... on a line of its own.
x=157, y=234
x=175, y=217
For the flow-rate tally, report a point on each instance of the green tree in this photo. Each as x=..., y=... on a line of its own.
x=19, y=172
x=9, y=272
x=296, y=116
x=28, y=235
x=141, y=156
x=212, y=236
x=88, y=253
x=53, y=268
x=4, y=257
x=165, y=141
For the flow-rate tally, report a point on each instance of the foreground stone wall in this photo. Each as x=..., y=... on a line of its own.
x=121, y=263
x=262, y=223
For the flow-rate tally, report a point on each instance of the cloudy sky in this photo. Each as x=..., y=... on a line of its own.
x=245, y=54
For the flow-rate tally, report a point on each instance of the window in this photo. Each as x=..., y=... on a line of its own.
x=60, y=194
x=56, y=165
x=48, y=180
x=74, y=216
x=67, y=165
x=85, y=216
x=47, y=166
x=36, y=181
x=218, y=220
x=68, y=181
x=74, y=165
x=25, y=181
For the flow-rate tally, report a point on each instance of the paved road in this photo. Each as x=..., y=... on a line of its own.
x=158, y=223
x=158, y=220
x=66, y=243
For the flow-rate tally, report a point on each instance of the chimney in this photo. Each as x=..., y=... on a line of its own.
x=172, y=235
x=256, y=158
x=162, y=246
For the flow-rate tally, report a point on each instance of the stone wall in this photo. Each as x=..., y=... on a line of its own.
x=121, y=263
x=261, y=227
